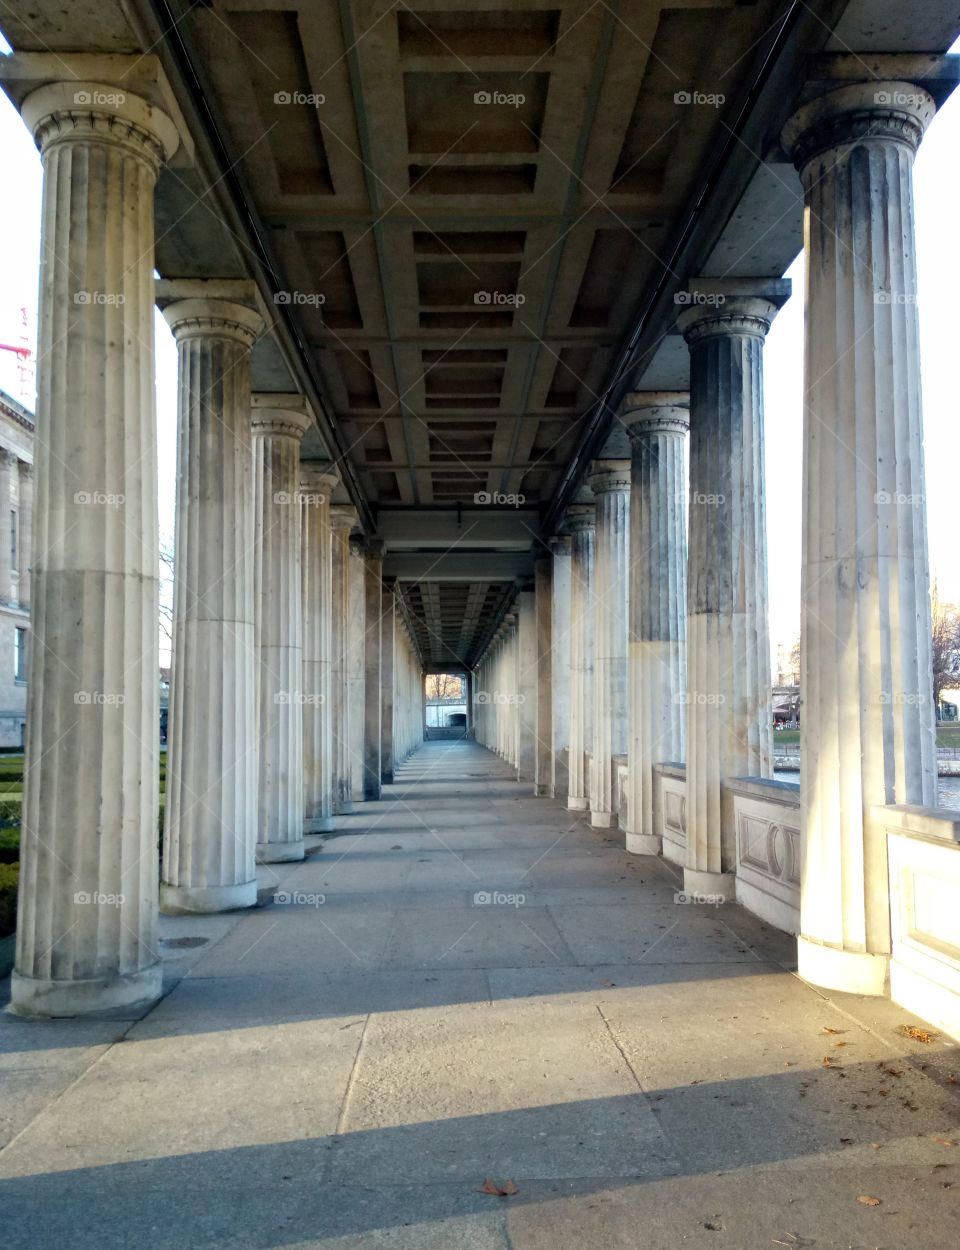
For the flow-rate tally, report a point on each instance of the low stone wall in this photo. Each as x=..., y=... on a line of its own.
x=670, y=810
x=767, y=818
x=923, y=846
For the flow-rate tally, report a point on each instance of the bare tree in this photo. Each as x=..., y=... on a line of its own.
x=945, y=646
x=444, y=686
x=166, y=592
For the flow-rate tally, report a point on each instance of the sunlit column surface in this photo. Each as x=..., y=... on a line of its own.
x=657, y=422
x=317, y=480
x=343, y=518
x=560, y=664
x=867, y=726
x=210, y=826
x=580, y=523
x=729, y=697
x=279, y=423
x=87, y=919
x=373, y=613
x=610, y=483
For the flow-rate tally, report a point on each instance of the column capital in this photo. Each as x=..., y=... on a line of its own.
x=199, y=308
x=888, y=111
x=343, y=516
x=560, y=544
x=374, y=548
x=731, y=306
x=102, y=101
x=655, y=412
x=318, y=477
x=281, y=414
x=609, y=475
x=580, y=516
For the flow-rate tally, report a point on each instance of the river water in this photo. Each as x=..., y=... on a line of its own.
x=949, y=789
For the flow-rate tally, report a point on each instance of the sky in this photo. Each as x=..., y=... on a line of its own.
x=937, y=187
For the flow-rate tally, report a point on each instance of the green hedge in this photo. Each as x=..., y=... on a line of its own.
x=9, y=876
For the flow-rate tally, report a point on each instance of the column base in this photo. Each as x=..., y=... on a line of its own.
x=189, y=900
x=279, y=852
x=642, y=843
x=575, y=803
x=344, y=808
x=851, y=972
x=318, y=824
x=603, y=820
x=117, y=996
x=723, y=884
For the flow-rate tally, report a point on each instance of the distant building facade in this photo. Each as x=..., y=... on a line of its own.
x=16, y=508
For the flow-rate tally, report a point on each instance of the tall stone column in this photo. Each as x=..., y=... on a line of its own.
x=210, y=828
x=8, y=462
x=87, y=925
x=26, y=532
x=317, y=480
x=279, y=423
x=610, y=483
x=657, y=422
x=867, y=730
x=388, y=646
x=527, y=686
x=729, y=696
x=372, y=702
x=543, y=726
x=581, y=524
x=560, y=547
x=342, y=520
x=355, y=656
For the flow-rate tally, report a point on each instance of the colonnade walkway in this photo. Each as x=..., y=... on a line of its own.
x=350, y=1071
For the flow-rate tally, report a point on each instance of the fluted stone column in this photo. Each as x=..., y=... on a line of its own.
x=581, y=524
x=373, y=612
x=87, y=924
x=543, y=726
x=26, y=532
x=610, y=483
x=657, y=422
x=729, y=695
x=388, y=644
x=317, y=480
x=560, y=547
x=355, y=651
x=867, y=731
x=342, y=520
x=210, y=828
x=279, y=423
x=527, y=669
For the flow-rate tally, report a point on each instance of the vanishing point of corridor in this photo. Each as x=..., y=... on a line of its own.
x=470, y=990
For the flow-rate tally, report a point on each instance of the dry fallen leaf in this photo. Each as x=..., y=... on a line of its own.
x=841, y=1043
x=827, y=1061
x=918, y=1035
x=491, y=1187
x=827, y=1029
x=868, y=1201
x=944, y=1141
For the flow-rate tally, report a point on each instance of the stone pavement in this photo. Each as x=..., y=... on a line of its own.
x=348, y=1072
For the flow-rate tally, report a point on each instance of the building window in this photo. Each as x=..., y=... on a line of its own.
x=20, y=654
